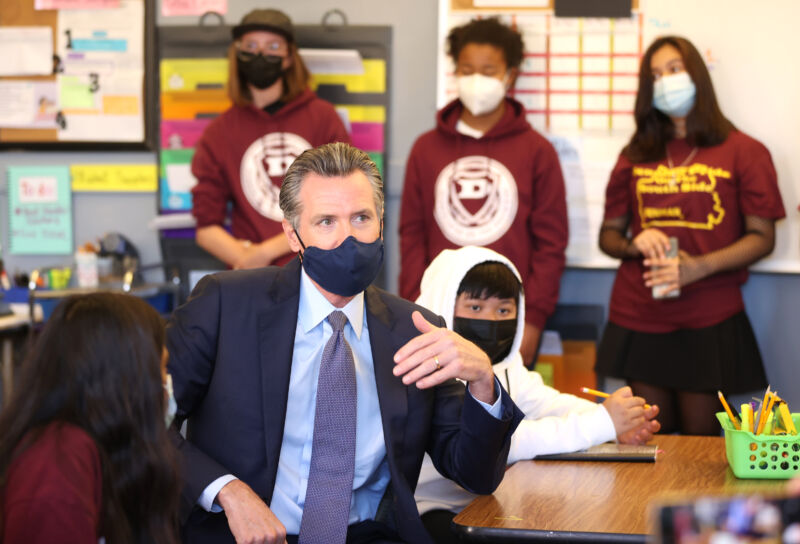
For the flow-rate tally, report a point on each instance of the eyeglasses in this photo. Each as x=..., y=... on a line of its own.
x=274, y=47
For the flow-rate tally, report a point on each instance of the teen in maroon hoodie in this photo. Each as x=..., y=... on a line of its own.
x=484, y=177
x=244, y=153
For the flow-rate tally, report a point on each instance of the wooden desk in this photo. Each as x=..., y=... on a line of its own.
x=578, y=501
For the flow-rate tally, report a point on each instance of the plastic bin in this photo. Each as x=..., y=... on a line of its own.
x=764, y=456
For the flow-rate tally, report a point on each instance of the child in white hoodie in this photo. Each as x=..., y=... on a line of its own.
x=479, y=294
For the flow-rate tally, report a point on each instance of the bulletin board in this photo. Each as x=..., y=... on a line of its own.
x=80, y=74
x=579, y=78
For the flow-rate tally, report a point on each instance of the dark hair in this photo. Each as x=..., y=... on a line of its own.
x=487, y=31
x=97, y=365
x=296, y=78
x=705, y=125
x=490, y=279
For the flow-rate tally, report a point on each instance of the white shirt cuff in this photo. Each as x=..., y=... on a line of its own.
x=206, y=500
x=496, y=409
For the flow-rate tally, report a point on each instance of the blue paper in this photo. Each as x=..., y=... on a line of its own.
x=40, y=210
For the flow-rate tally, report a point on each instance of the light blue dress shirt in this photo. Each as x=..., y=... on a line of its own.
x=371, y=466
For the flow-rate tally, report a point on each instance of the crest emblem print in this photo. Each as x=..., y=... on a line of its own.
x=475, y=200
x=267, y=159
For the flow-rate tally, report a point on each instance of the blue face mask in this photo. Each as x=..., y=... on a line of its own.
x=345, y=270
x=674, y=94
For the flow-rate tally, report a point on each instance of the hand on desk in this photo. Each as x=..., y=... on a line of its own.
x=249, y=518
x=439, y=354
x=634, y=424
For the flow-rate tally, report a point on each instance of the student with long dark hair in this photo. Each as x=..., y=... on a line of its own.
x=244, y=153
x=84, y=453
x=686, y=173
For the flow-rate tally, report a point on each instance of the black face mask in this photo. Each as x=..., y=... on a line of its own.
x=493, y=337
x=258, y=70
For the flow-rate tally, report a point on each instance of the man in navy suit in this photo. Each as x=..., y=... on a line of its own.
x=245, y=354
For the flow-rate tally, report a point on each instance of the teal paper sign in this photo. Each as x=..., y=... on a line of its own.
x=40, y=210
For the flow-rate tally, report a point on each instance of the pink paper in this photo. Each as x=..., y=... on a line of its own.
x=367, y=136
x=193, y=7
x=76, y=4
x=182, y=134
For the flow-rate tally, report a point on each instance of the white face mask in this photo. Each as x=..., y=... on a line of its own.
x=674, y=94
x=480, y=94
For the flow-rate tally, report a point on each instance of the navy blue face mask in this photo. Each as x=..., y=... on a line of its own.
x=345, y=270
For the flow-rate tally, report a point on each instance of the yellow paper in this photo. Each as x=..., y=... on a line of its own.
x=121, y=105
x=364, y=114
x=373, y=80
x=114, y=177
x=191, y=74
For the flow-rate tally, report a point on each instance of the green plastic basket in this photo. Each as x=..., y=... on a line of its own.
x=763, y=456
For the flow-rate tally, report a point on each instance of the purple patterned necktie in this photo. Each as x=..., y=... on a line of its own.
x=333, y=452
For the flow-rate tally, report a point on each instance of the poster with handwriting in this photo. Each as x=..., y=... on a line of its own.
x=40, y=210
x=128, y=178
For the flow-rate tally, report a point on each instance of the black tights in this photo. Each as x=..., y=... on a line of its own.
x=683, y=412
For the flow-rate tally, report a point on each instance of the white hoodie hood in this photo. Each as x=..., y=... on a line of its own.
x=439, y=288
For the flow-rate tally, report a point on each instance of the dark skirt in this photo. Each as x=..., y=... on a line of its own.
x=724, y=356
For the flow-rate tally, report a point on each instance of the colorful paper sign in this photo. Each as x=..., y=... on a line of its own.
x=176, y=179
x=171, y=8
x=76, y=4
x=40, y=210
x=194, y=104
x=182, y=134
x=193, y=74
x=367, y=136
x=129, y=178
x=373, y=80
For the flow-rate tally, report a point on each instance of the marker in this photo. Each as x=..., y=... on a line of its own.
x=747, y=417
x=601, y=394
x=733, y=418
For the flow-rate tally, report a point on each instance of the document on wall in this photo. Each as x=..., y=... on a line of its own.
x=101, y=73
x=28, y=104
x=193, y=7
x=26, y=51
x=40, y=210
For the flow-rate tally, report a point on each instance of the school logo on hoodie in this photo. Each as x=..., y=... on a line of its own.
x=262, y=169
x=475, y=200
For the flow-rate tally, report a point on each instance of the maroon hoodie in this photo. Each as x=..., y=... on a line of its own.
x=503, y=191
x=243, y=155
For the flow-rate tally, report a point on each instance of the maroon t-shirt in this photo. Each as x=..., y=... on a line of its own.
x=242, y=157
x=702, y=204
x=53, y=490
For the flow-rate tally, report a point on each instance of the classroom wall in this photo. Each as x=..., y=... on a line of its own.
x=772, y=299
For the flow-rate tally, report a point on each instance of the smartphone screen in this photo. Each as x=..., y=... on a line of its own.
x=750, y=518
x=658, y=290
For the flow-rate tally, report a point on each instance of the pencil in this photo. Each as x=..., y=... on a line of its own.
x=601, y=394
x=733, y=418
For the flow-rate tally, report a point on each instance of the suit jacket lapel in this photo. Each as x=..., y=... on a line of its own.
x=392, y=394
x=276, y=331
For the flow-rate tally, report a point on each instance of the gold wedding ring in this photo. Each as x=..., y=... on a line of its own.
x=436, y=363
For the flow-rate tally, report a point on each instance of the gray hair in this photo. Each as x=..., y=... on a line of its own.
x=330, y=160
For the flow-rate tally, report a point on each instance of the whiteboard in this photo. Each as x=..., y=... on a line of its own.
x=749, y=47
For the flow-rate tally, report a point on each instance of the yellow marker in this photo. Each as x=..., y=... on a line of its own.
x=769, y=425
x=747, y=417
x=732, y=417
x=786, y=418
